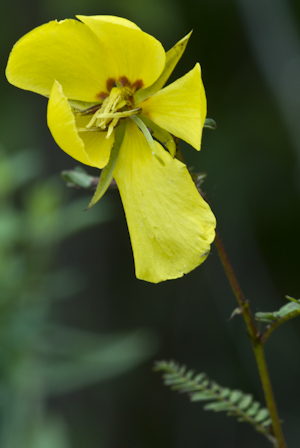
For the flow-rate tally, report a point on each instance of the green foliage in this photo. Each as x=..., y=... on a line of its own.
x=201, y=388
x=106, y=175
x=74, y=359
x=79, y=178
x=276, y=318
x=210, y=124
x=38, y=357
x=285, y=313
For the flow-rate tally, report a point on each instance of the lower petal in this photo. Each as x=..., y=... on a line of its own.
x=170, y=225
x=96, y=145
x=180, y=108
x=90, y=148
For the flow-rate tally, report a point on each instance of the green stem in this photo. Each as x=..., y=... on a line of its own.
x=270, y=328
x=257, y=345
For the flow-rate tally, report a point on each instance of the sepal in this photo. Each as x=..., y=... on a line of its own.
x=163, y=136
x=108, y=171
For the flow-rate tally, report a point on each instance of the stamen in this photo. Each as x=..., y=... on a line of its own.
x=126, y=113
x=93, y=129
x=111, y=127
x=106, y=117
x=89, y=111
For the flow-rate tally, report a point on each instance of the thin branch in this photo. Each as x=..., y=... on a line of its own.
x=270, y=328
x=256, y=343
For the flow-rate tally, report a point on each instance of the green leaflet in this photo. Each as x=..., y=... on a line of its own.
x=253, y=409
x=77, y=177
x=108, y=171
x=245, y=401
x=217, y=407
x=286, y=312
x=236, y=396
x=210, y=124
x=172, y=57
x=200, y=388
x=262, y=415
x=201, y=396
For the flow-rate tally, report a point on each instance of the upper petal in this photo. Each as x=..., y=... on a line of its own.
x=180, y=108
x=138, y=55
x=90, y=148
x=172, y=57
x=67, y=51
x=113, y=19
x=171, y=226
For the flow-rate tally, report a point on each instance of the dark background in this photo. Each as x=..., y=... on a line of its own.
x=249, y=51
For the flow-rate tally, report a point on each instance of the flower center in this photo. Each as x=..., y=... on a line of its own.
x=119, y=104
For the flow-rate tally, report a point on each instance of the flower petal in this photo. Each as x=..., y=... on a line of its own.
x=93, y=150
x=172, y=57
x=113, y=19
x=171, y=226
x=67, y=51
x=96, y=145
x=139, y=56
x=180, y=108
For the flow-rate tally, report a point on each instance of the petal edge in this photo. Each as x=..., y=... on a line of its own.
x=61, y=123
x=180, y=108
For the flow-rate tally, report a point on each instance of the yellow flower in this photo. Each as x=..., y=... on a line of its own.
x=107, y=108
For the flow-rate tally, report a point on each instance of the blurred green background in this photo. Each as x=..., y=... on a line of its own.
x=78, y=332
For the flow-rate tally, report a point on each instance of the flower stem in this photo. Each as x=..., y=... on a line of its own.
x=256, y=343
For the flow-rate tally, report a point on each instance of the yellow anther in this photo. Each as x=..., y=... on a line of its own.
x=111, y=127
x=112, y=109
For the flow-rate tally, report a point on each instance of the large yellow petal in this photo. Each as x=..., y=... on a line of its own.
x=67, y=51
x=171, y=226
x=139, y=56
x=180, y=108
x=90, y=148
x=114, y=19
x=172, y=57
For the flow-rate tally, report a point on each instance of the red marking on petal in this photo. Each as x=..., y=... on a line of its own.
x=110, y=83
x=124, y=81
x=101, y=96
x=138, y=84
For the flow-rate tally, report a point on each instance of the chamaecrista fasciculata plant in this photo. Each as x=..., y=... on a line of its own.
x=109, y=108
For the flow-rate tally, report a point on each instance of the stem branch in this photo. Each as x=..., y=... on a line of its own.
x=257, y=345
